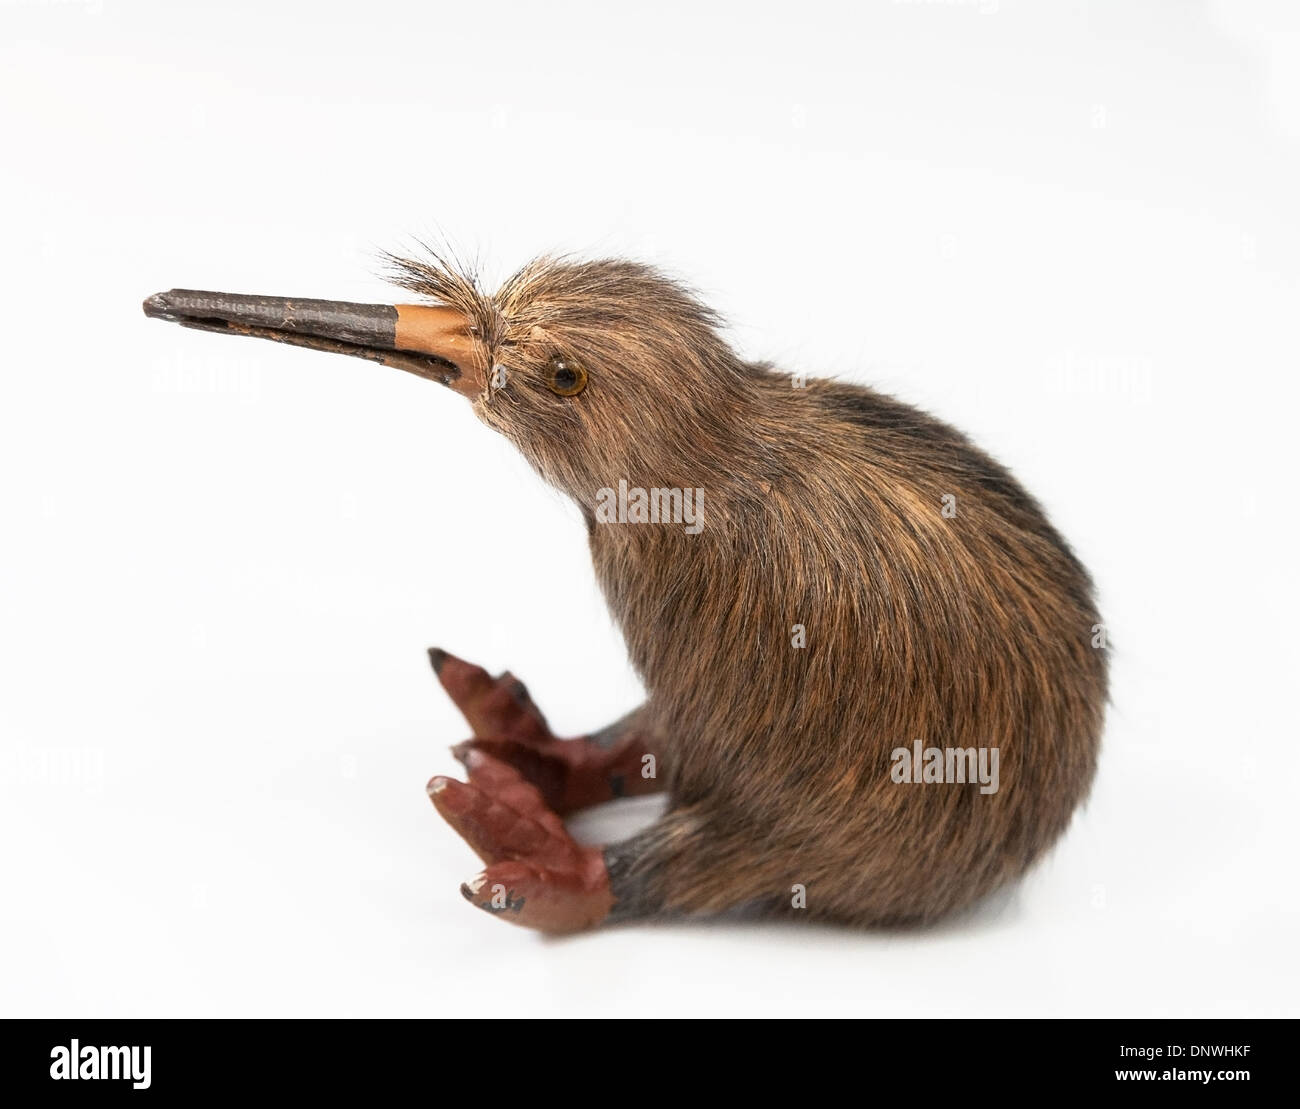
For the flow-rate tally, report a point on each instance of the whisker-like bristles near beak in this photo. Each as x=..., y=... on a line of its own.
x=430, y=341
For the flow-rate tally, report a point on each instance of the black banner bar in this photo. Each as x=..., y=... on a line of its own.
x=340, y=1058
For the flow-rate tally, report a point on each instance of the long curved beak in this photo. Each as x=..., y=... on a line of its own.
x=430, y=341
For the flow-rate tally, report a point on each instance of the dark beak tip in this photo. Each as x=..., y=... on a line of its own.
x=371, y=331
x=157, y=307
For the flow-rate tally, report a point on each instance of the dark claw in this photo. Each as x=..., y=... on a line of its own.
x=437, y=656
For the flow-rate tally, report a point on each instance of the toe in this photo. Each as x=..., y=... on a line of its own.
x=483, y=758
x=492, y=706
x=509, y=822
x=548, y=899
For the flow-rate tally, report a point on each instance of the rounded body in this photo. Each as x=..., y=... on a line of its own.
x=862, y=582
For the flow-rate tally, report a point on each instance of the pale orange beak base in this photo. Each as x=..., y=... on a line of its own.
x=430, y=341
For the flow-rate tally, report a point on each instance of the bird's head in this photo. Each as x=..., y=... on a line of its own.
x=596, y=370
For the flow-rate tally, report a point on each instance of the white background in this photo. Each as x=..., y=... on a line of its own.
x=1069, y=228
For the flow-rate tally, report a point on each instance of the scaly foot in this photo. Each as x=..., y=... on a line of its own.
x=509, y=728
x=537, y=875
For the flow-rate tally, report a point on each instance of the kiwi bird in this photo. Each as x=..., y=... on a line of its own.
x=813, y=581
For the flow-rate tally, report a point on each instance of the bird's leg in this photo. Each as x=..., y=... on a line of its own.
x=522, y=779
x=622, y=760
x=538, y=876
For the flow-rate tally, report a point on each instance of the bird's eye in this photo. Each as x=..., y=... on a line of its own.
x=565, y=377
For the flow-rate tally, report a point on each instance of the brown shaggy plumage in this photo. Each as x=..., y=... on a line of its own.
x=822, y=507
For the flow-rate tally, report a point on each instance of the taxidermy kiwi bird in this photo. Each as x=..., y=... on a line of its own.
x=813, y=581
